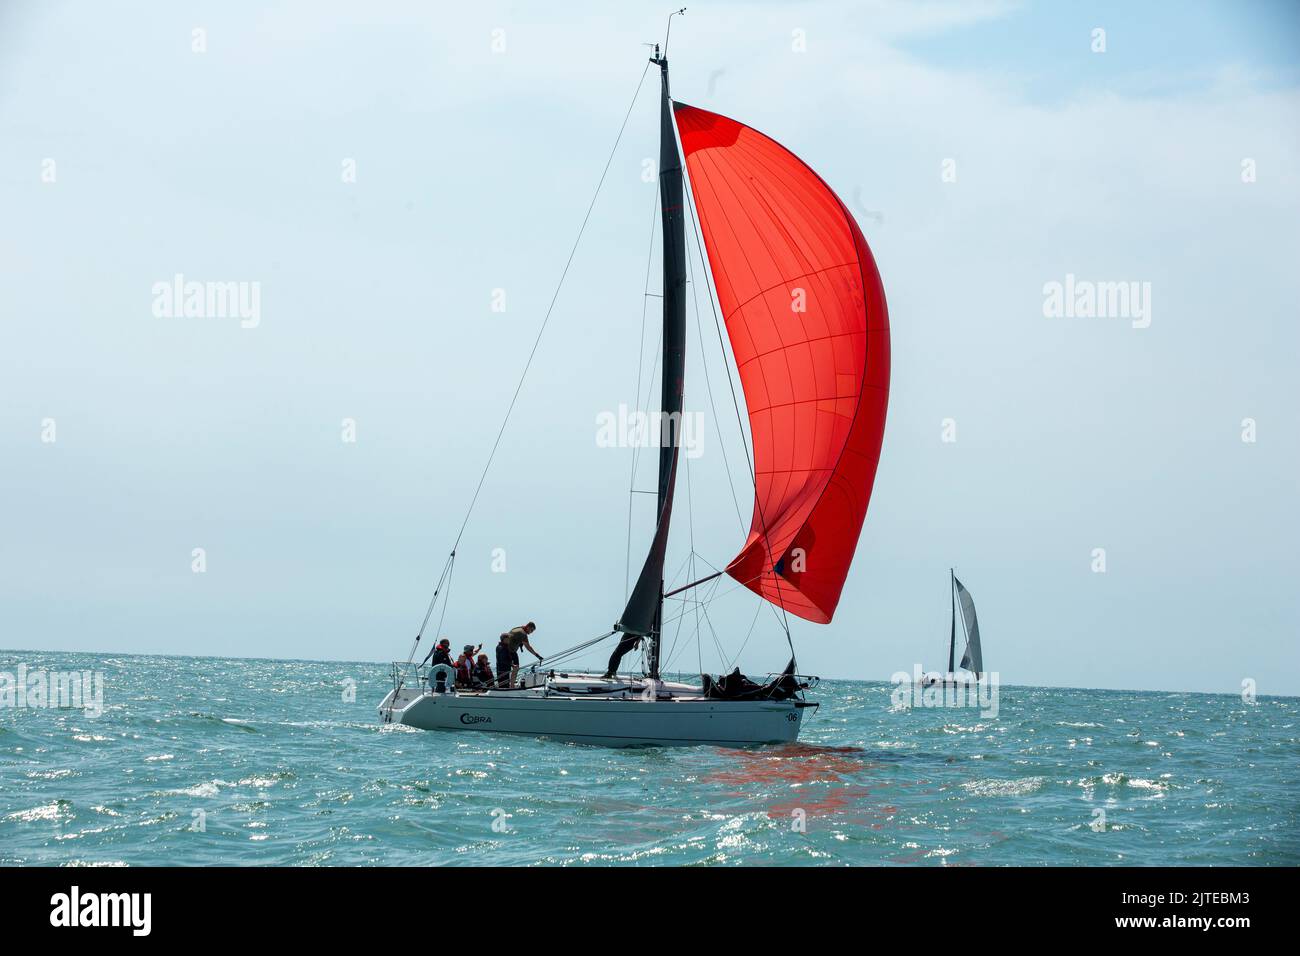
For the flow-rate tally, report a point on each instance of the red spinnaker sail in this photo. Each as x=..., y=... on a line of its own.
x=806, y=316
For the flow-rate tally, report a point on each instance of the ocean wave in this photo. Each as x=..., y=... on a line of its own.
x=209, y=788
x=1005, y=788
x=330, y=784
x=50, y=774
x=53, y=812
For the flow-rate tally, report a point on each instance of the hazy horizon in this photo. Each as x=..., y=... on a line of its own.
x=850, y=679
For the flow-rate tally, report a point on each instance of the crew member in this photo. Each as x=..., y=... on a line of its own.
x=441, y=653
x=516, y=638
x=629, y=642
x=483, y=672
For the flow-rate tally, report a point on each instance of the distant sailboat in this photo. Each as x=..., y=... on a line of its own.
x=972, y=658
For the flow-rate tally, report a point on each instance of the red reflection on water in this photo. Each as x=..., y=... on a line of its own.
x=830, y=780
x=795, y=763
x=846, y=803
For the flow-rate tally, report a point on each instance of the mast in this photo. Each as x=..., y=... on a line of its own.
x=952, y=638
x=643, y=615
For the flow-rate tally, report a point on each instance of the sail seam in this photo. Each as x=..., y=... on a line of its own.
x=781, y=348
x=786, y=283
x=808, y=401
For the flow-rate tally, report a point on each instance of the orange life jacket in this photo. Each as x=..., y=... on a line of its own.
x=464, y=670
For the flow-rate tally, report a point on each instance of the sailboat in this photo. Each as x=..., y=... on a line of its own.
x=805, y=314
x=972, y=658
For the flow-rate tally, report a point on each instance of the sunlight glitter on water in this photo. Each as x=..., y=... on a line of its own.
x=220, y=771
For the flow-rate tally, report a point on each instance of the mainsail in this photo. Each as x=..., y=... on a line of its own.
x=973, y=659
x=806, y=316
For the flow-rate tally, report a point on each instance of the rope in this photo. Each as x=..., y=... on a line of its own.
x=752, y=624
x=636, y=396
x=550, y=308
x=758, y=505
x=442, y=579
x=708, y=385
x=528, y=364
x=573, y=651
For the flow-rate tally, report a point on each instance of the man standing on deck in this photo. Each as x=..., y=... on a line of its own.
x=506, y=658
x=514, y=639
x=440, y=653
x=628, y=643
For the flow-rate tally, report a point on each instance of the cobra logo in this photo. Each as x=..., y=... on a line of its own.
x=475, y=719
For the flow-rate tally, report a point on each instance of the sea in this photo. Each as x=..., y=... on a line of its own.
x=199, y=761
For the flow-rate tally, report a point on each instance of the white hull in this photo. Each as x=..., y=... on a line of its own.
x=613, y=721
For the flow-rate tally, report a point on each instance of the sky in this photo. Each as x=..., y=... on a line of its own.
x=402, y=183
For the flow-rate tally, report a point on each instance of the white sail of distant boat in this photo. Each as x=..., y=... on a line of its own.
x=972, y=658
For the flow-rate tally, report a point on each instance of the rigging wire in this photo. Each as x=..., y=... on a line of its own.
x=442, y=579
x=570, y=652
x=546, y=319
x=690, y=511
x=690, y=559
x=636, y=446
x=697, y=602
x=708, y=384
x=758, y=505
x=531, y=355
x=636, y=396
x=446, y=598
x=752, y=624
x=736, y=586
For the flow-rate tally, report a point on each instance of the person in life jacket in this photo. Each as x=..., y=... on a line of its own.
x=465, y=666
x=483, y=672
x=441, y=653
